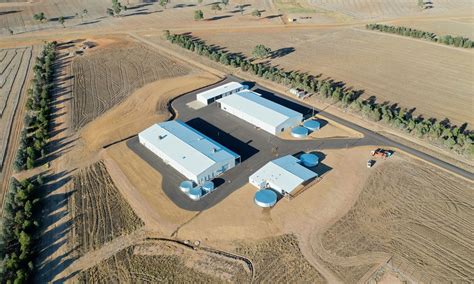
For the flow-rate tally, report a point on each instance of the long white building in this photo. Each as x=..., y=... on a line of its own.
x=283, y=175
x=263, y=113
x=194, y=155
x=211, y=95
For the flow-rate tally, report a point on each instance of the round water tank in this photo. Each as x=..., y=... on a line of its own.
x=195, y=193
x=299, y=132
x=265, y=198
x=208, y=186
x=309, y=160
x=186, y=186
x=312, y=125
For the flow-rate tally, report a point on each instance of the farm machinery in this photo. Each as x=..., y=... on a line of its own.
x=379, y=153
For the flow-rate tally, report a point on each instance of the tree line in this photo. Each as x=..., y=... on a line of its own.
x=34, y=136
x=19, y=225
x=458, y=139
x=457, y=41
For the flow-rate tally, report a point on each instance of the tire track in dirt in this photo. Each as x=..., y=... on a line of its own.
x=119, y=71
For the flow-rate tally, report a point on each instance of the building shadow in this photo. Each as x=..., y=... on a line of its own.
x=243, y=149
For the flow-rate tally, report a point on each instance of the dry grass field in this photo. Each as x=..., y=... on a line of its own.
x=100, y=213
x=18, y=17
x=279, y=260
x=165, y=262
x=451, y=26
x=420, y=216
x=381, y=9
x=14, y=65
x=144, y=107
x=438, y=85
x=107, y=76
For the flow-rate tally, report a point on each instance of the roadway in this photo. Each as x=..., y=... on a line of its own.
x=375, y=137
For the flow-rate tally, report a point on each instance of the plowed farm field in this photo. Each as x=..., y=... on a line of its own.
x=279, y=260
x=421, y=218
x=380, y=9
x=14, y=65
x=100, y=212
x=158, y=262
x=382, y=65
x=104, y=78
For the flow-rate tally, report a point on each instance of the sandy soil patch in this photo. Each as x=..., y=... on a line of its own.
x=144, y=107
x=142, y=188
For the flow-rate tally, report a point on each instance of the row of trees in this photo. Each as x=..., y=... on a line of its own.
x=34, y=135
x=441, y=132
x=457, y=41
x=19, y=224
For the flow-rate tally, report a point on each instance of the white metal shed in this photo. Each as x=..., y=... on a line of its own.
x=190, y=152
x=263, y=113
x=211, y=95
x=284, y=175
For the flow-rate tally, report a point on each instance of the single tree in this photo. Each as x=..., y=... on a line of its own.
x=61, y=20
x=84, y=13
x=256, y=13
x=199, y=1
x=198, y=15
x=10, y=31
x=117, y=7
x=225, y=2
x=241, y=9
x=163, y=3
x=421, y=3
x=261, y=51
x=110, y=12
x=216, y=7
x=40, y=17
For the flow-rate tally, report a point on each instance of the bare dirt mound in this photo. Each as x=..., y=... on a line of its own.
x=421, y=216
x=106, y=77
x=100, y=213
x=164, y=262
x=279, y=260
